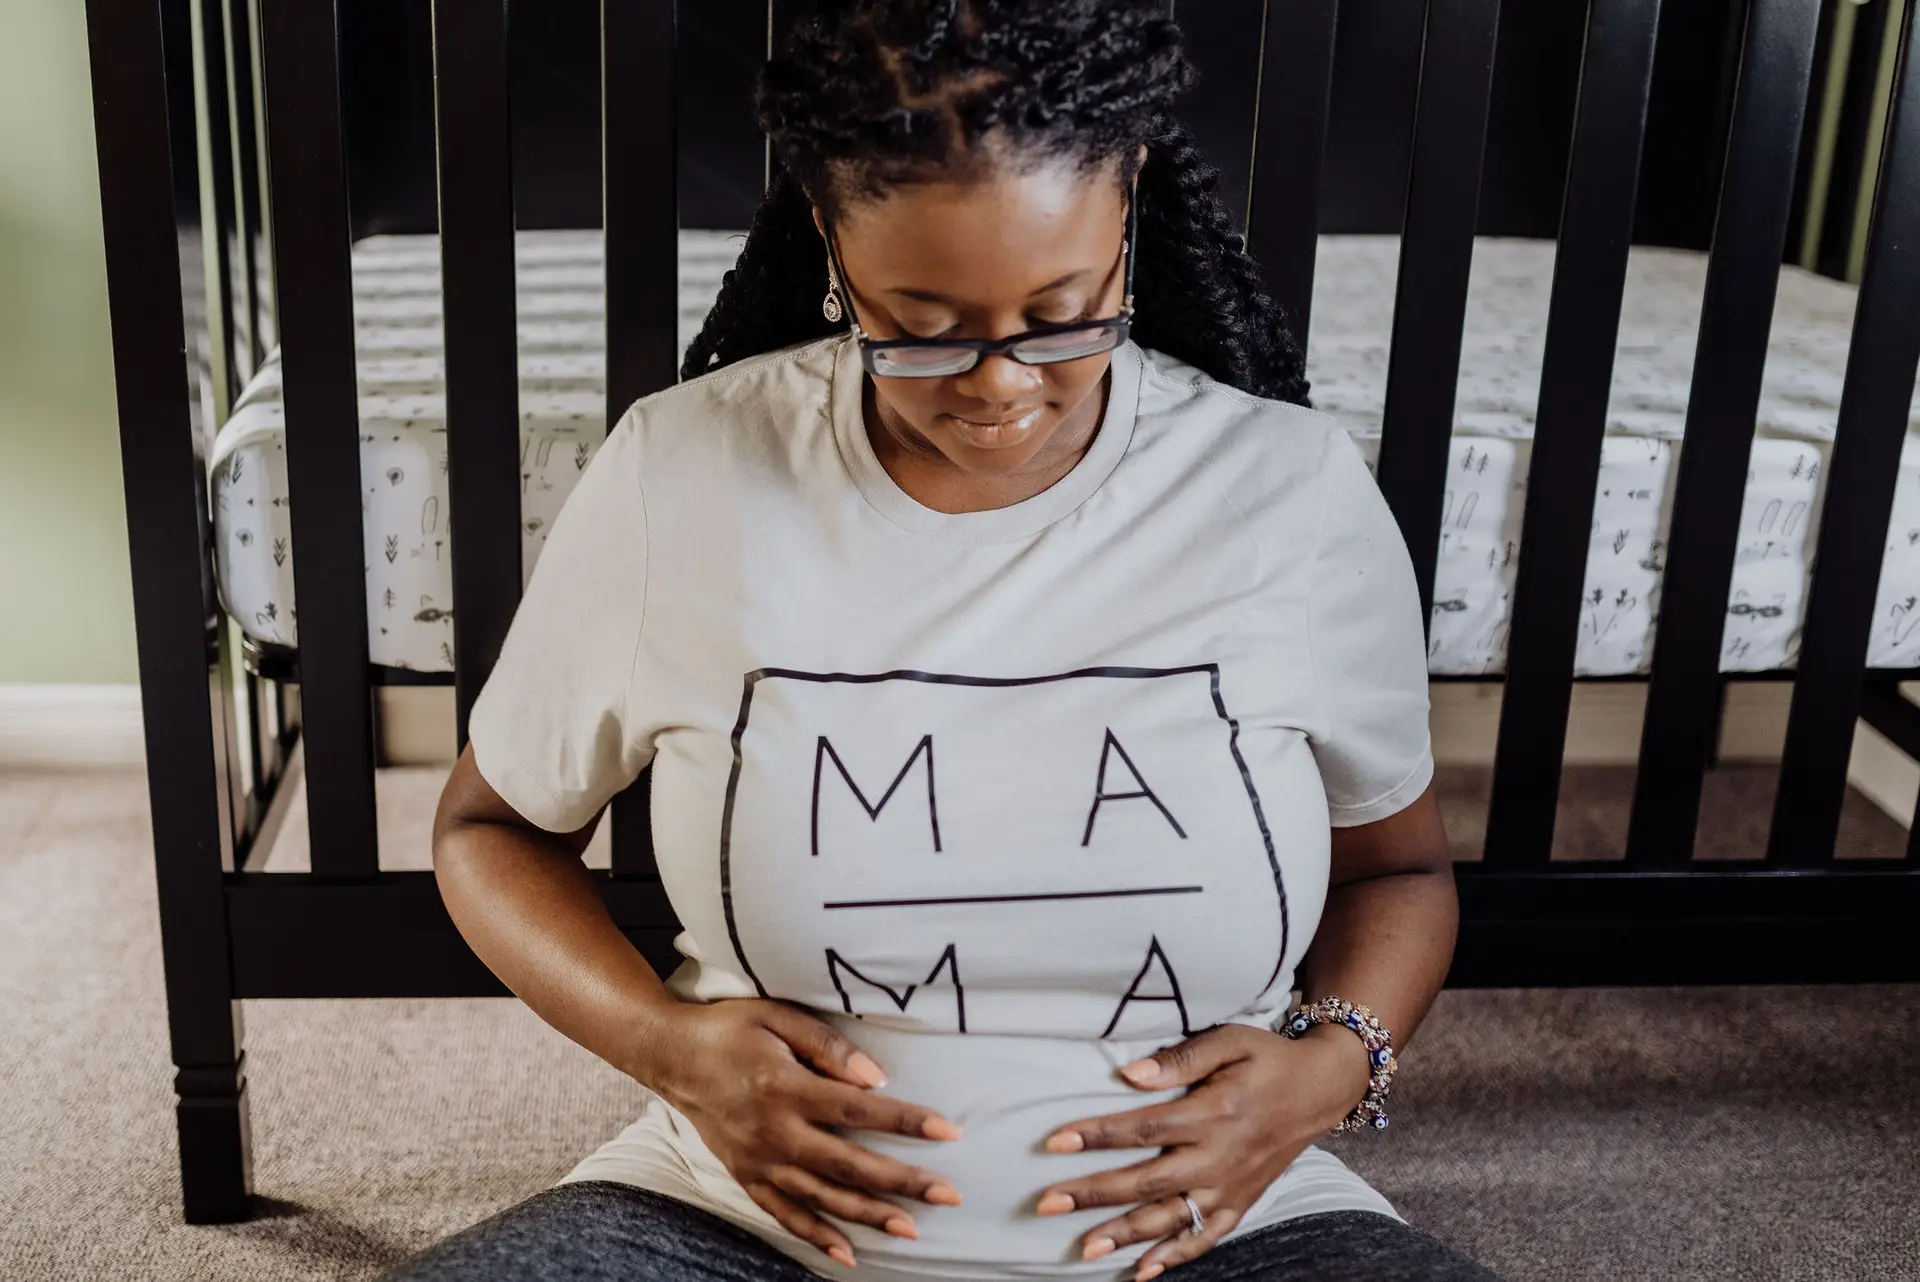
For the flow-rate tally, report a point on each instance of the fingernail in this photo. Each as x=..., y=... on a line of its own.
x=901, y=1226
x=865, y=1070
x=943, y=1195
x=939, y=1128
x=1142, y=1071
x=1149, y=1272
x=1065, y=1142
x=1055, y=1204
x=1098, y=1247
x=843, y=1255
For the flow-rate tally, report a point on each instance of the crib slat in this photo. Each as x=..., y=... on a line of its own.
x=311, y=238
x=1756, y=194
x=1290, y=136
x=266, y=289
x=218, y=238
x=1583, y=321
x=230, y=363
x=475, y=137
x=1861, y=475
x=1436, y=258
x=781, y=15
x=642, y=199
x=638, y=72
x=246, y=166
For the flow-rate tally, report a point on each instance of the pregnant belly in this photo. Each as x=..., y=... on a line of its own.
x=1008, y=1094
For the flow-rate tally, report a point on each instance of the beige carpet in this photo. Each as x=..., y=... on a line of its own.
x=1726, y=1134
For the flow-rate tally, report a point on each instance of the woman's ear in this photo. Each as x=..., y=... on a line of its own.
x=1130, y=167
x=819, y=222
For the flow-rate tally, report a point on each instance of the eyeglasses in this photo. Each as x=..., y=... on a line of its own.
x=943, y=358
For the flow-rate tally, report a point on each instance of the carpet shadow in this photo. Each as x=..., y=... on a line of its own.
x=321, y=1236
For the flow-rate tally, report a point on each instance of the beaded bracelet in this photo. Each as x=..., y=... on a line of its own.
x=1371, y=1112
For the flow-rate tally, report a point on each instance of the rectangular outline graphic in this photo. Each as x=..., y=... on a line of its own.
x=946, y=678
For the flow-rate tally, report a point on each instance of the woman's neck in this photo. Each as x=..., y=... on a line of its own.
x=930, y=479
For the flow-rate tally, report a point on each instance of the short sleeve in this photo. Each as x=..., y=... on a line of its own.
x=551, y=729
x=1369, y=649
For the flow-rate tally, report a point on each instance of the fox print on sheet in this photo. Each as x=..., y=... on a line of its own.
x=1076, y=855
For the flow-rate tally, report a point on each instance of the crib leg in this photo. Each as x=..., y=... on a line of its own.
x=188, y=791
x=206, y=1029
x=216, y=1142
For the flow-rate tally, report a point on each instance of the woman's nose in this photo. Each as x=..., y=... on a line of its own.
x=999, y=380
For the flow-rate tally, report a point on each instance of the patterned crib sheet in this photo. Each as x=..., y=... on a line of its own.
x=563, y=373
x=1504, y=341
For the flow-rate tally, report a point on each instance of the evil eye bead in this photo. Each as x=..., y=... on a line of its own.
x=1355, y=1020
x=1380, y=1123
x=1299, y=1025
x=1382, y=1057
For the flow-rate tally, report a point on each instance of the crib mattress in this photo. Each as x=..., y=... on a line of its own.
x=562, y=405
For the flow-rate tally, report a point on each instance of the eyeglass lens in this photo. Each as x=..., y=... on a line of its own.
x=935, y=361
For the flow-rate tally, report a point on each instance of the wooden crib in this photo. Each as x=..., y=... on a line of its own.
x=170, y=75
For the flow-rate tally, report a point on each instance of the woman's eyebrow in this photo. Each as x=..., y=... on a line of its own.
x=929, y=296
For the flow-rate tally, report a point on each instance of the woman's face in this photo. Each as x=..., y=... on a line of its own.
x=986, y=258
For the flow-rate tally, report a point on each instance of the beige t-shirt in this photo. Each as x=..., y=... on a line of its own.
x=1011, y=797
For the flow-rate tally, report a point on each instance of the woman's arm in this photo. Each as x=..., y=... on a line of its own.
x=764, y=1084
x=529, y=909
x=1386, y=935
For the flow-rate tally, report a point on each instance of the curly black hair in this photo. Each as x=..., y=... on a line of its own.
x=869, y=93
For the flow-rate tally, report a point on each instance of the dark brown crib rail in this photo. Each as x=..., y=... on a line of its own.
x=1583, y=318
x=1736, y=314
x=218, y=766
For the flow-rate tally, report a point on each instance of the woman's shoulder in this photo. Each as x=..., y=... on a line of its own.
x=764, y=394
x=1250, y=436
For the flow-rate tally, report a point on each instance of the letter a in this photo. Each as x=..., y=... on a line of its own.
x=1100, y=793
x=1163, y=987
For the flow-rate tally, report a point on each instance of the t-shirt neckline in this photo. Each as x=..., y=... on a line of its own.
x=998, y=525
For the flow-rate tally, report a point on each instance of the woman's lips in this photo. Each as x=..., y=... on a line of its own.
x=995, y=433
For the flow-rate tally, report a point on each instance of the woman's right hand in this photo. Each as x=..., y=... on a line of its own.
x=767, y=1086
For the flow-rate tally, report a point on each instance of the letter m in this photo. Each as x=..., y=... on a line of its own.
x=825, y=752
x=840, y=971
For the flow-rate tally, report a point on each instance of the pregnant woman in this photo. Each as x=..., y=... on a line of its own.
x=1035, y=697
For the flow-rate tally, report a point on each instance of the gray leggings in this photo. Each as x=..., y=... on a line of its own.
x=599, y=1231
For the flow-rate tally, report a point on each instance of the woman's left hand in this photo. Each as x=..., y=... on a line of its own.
x=1255, y=1101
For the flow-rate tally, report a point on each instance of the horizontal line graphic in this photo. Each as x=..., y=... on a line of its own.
x=1016, y=899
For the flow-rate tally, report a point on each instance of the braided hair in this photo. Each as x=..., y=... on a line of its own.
x=871, y=93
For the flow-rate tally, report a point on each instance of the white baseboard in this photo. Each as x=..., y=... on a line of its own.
x=70, y=726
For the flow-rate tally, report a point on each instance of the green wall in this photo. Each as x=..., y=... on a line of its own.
x=66, y=606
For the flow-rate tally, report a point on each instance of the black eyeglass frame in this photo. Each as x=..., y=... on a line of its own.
x=982, y=348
